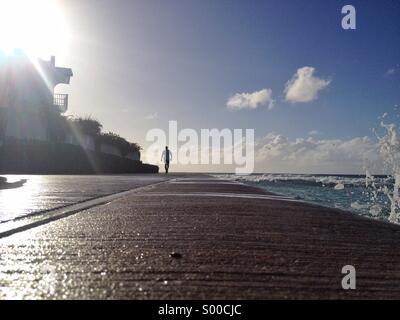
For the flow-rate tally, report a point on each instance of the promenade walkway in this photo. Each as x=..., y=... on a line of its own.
x=200, y=238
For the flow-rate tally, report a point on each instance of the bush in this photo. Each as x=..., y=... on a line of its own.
x=86, y=125
x=115, y=140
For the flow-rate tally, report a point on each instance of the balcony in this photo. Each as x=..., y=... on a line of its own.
x=61, y=101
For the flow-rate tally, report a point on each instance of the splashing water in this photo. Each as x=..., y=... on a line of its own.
x=368, y=178
x=389, y=146
x=339, y=186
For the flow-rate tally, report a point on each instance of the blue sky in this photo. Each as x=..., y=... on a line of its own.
x=138, y=64
x=183, y=59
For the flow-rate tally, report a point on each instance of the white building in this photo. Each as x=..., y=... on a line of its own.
x=27, y=95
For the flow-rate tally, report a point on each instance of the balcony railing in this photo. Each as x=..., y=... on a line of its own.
x=61, y=101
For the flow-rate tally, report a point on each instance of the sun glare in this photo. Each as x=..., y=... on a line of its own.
x=35, y=26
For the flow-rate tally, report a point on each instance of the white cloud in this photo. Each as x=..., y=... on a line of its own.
x=393, y=70
x=314, y=133
x=276, y=153
x=151, y=116
x=251, y=100
x=304, y=86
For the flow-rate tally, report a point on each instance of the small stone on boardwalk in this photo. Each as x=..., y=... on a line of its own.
x=175, y=255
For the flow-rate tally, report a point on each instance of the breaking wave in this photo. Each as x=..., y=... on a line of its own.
x=377, y=197
x=344, y=192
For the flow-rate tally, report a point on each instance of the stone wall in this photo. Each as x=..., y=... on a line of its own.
x=39, y=157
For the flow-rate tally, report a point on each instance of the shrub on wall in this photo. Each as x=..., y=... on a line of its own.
x=123, y=145
x=92, y=127
x=86, y=125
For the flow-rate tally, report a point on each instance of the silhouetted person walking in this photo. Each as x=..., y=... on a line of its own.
x=166, y=157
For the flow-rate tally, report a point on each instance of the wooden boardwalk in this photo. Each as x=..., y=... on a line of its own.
x=195, y=237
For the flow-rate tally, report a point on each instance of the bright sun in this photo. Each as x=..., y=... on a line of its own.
x=35, y=26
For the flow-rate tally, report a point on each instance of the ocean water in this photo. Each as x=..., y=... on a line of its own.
x=352, y=193
x=376, y=197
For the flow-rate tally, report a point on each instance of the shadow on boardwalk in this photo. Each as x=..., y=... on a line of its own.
x=11, y=185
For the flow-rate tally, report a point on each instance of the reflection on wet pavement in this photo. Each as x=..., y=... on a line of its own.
x=35, y=193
